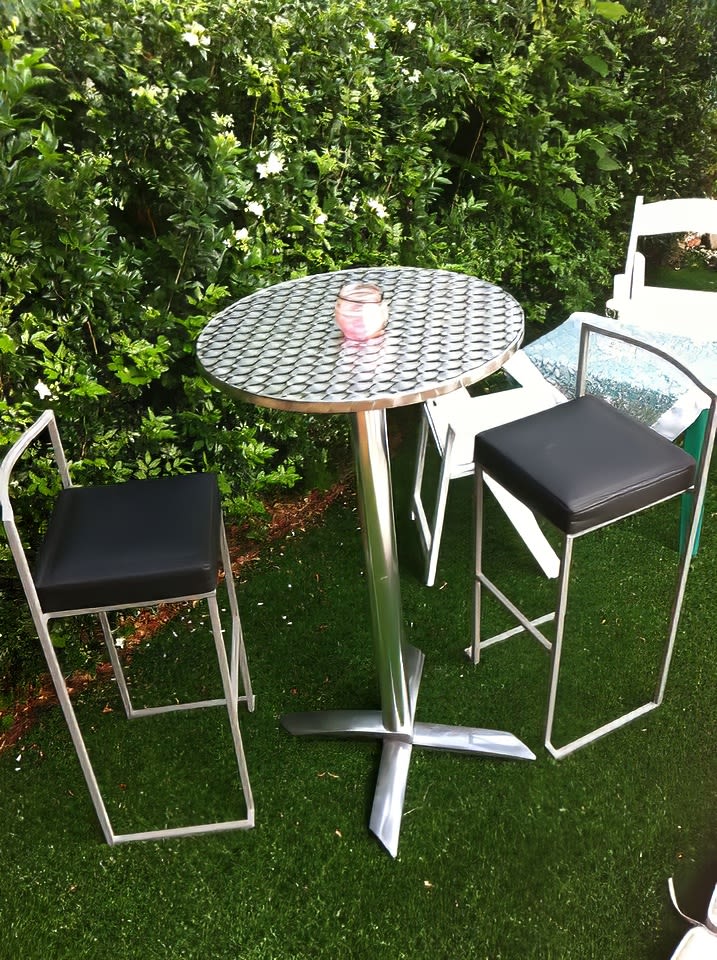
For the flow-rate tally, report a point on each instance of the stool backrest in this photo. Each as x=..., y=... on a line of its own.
x=46, y=421
x=708, y=392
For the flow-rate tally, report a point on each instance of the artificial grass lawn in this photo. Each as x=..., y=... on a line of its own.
x=497, y=859
x=686, y=278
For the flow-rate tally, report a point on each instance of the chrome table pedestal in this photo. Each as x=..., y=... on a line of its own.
x=399, y=664
x=279, y=347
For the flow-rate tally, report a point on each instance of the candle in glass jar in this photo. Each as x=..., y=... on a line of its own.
x=361, y=311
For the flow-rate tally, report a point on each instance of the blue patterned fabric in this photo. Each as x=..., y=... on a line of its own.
x=629, y=378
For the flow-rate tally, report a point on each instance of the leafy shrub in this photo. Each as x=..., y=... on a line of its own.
x=160, y=158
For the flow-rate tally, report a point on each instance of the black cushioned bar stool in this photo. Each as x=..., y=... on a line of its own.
x=583, y=465
x=131, y=545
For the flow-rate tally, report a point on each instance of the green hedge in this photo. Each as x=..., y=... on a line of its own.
x=160, y=158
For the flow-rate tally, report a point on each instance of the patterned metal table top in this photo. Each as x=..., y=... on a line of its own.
x=280, y=347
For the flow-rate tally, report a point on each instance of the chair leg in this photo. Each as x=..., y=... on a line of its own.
x=110, y=836
x=430, y=534
x=556, y=652
x=556, y=649
x=229, y=685
x=527, y=527
x=478, y=500
x=687, y=552
x=63, y=697
x=238, y=659
x=439, y=512
x=418, y=512
x=239, y=663
x=621, y=721
x=480, y=580
x=116, y=665
x=420, y=467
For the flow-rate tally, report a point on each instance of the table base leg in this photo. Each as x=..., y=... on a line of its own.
x=390, y=792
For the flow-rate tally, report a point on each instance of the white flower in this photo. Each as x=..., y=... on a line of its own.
x=256, y=208
x=150, y=91
x=225, y=121
x=196, y=36
x=371, y=37
x=378, y=208
x=242, y=234
x=274, y=164
x=353, y=203
x=320, y=218
x=410, y=26
x=43, y=390
x=414, y=77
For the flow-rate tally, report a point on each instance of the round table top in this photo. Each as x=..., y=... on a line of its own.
x=280, y=347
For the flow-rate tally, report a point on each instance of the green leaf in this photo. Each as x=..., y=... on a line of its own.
x=610, y=10
x=569, y=199
x=597, y=64
x=7, y=344
x=606, y=162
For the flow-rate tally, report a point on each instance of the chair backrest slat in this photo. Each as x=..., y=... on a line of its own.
x=696, y=215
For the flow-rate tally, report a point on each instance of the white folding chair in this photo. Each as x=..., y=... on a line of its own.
x=130, y=545
x=452, y=422
x=675, y=310
x=683, y=322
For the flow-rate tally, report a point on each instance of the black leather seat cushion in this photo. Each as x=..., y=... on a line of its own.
x=583, y=463
x=130, y=543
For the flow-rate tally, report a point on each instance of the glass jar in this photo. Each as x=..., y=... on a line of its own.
x=361, y=311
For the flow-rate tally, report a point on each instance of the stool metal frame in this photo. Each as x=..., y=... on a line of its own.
x=531, y=626
x=230, y=668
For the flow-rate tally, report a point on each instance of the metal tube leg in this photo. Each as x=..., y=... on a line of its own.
x=557, y=646
x=420, y=465
x=688, y=550
x=238, y=659
x=439, y=511
x=116, y=664
x=77, y=738
x=373, y=475
x=478, y=569
x=231, y=703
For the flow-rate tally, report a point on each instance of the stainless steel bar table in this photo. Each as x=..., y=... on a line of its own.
x=279, y=347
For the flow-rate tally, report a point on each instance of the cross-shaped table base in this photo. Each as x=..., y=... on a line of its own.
x=390, y=792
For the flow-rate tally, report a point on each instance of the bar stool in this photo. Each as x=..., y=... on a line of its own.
x=130, y=545
x=583, y=465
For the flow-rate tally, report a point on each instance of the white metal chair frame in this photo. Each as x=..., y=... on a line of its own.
x=230, y=669
x=531, y=626
x=634, y=301
x=452, y=421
